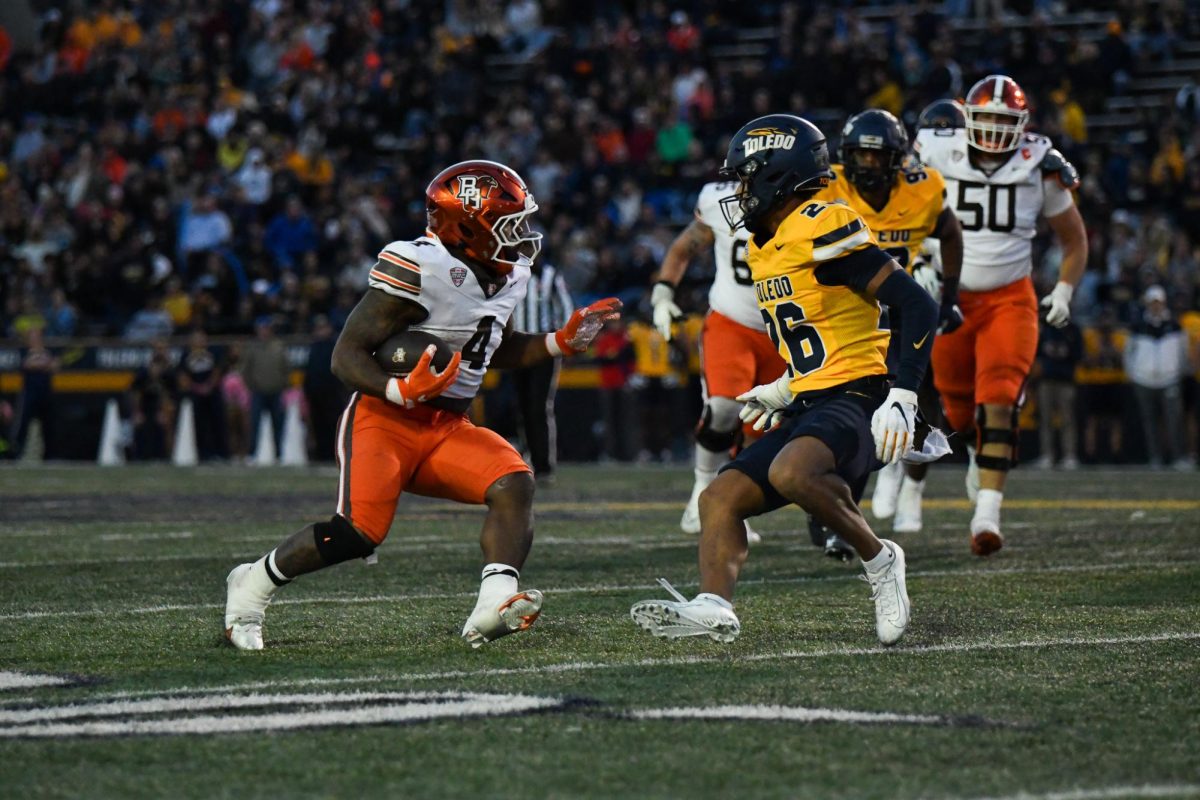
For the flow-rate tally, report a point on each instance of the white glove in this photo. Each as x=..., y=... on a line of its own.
x=928, y=279
x=1058, y=304
x=662, y=299
x=894, y=424
x=764, y=404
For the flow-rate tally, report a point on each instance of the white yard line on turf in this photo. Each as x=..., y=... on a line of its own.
x=26, y=680
x=628, y=587
x=1109, y=793
x=757, y=713
x=671, y=661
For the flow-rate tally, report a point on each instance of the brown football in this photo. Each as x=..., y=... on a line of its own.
x=400, y=353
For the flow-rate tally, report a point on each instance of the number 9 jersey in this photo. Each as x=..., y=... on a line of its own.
x=998, y=210
x=732, y=291
x=828, y=334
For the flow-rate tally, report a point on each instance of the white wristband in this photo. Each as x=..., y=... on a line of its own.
x=393, y=393
x=552, y=345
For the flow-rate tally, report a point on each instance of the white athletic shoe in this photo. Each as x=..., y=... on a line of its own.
x=887, y=486
x=972, y=475
x=891, y=598
x=908, y=507
x=681, y=618
x=517, y=613
x=244, y=611
x=690, y=522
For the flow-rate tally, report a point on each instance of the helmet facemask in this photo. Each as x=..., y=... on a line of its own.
x=995, y=130
x=516, y=241
x=871, y=176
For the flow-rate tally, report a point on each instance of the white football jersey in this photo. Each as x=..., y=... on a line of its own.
x=460, y=314
x=998, y=212
x=732, y=292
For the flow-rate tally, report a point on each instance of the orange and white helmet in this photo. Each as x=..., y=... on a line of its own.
x=482, y=209
x=996, y=114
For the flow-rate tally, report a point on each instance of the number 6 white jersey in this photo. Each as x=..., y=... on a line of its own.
x=460, y=314
x=732, y=292
x=998, y=212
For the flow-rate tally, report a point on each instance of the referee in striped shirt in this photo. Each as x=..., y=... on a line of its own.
x=546, y=308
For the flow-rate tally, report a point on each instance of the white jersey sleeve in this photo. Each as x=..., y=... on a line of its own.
x=732, y=292
x=460, y=313
x=998, y=211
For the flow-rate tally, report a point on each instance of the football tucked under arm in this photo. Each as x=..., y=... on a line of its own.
x=377, y=317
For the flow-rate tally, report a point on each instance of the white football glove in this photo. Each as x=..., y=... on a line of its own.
x=764, y=404
x=1058, y=304
x=894, y=424
x=662, y=299
x=928, y=278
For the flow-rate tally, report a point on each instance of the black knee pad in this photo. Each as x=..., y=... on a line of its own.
x=1006, y=436
x=716, y=441
x=338, y=541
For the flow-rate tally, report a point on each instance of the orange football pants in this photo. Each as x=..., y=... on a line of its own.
x=383, y=449
x=988, y=359
x=734, y=358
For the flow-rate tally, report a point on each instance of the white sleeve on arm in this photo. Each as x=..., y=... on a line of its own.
x=1057, y=199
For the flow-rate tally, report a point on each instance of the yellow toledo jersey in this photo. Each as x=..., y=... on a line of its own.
x=908, y=218
x=828, y=335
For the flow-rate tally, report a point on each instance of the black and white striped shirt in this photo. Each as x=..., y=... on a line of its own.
x=547, y=305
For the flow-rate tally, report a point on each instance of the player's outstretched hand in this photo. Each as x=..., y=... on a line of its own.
x=765, y=404
x=1058, y=304
x=424, y=382
x=894, y=424
x=662, y=300
x=584, y=326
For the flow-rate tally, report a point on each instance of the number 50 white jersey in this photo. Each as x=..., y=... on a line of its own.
x=732, y=292
x=998, y=211
x=460, y=314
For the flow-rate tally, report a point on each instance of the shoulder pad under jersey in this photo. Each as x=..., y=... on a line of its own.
x=1054, y=163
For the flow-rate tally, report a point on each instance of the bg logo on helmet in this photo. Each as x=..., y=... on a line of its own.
x=474, y=189
x=767, y=139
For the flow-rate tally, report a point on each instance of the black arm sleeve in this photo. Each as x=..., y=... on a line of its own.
x=855, y=270
x=918, y=321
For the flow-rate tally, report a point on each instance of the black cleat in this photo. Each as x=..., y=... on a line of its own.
x=836, y=548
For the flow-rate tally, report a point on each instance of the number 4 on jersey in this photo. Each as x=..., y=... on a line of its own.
x=474, y=352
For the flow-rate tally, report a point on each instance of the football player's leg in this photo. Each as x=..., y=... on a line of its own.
x=908, y=518
x=728, y=369
x=373, y=460
x=500, y=479
x=953, y=362
x=1003, y=361
x=830, y=449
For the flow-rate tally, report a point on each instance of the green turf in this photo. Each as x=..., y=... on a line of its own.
x=90, y=558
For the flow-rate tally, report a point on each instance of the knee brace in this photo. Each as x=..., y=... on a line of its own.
x=338, y=541
x=1010, y=436
x=719, y=426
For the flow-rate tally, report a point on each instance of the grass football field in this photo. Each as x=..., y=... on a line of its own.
x=1067, y=666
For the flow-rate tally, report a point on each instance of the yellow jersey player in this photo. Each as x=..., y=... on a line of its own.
x=903, y=207
x=820, y=279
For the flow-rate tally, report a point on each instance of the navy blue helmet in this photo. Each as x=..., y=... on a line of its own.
x=873, y=130
x=942, y=114
x=773, y=158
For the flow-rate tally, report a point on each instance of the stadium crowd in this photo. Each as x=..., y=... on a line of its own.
x=176, y=166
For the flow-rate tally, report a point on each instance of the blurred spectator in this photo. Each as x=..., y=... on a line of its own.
x=267, y=373
x=236, y=399
x=200, y=380
x=177, y=303
x=1059, y=352
x=1102, y=379
x=204, y=227
x=152, y=322
x=614, y=352
x=291, y=234
x=153, y=404
x=653, y=380
x=36, y=399
x=1156, y=360
x=326, y=394
x=61, y=316
x=254, y=178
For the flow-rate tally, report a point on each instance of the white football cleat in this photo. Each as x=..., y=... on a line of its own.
x=891, y=598
x=517, y=613
x=972, y=475
x=908, y=507
x=690, y=522
x=887, y=486
x=681, y=618
x=244, y=610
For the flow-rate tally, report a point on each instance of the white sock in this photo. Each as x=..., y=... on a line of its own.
x=708, y=462
x=882, y=560
x=987, y=508
x=912, y=486
x=498, y=583
x=715, y=598
x=264, y=577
